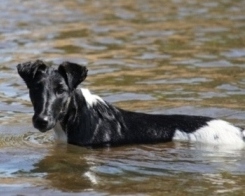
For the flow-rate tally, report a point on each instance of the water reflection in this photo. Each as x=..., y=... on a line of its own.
x=69, y=167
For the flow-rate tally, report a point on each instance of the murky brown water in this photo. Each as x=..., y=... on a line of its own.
x=158, y=56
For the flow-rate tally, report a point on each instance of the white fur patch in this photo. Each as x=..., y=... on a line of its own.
x=215, y=132
x=90, y=98
x=60, y=135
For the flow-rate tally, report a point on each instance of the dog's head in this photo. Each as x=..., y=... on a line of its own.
x=49, y=89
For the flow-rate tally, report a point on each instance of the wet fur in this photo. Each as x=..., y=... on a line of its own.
x=84, y=119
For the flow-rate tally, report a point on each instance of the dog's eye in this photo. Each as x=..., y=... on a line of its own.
x=60, y=91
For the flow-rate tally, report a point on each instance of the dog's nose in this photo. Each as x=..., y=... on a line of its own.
x=41, y=122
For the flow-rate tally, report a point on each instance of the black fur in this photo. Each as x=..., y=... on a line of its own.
x=56, y=100
x=104, y=124
x=50, y=89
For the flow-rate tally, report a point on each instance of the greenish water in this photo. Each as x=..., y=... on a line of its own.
x=158, y=56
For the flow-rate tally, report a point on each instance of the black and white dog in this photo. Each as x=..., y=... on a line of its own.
x=81, y=118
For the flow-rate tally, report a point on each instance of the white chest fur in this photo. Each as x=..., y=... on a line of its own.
x=60, y=135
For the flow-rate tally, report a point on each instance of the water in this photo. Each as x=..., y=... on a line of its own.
x=177, y=56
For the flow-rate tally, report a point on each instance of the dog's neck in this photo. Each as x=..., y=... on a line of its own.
x=60, y=133
x=67, y=104
x=79, y=116
x=68, y=113
x=64, y=110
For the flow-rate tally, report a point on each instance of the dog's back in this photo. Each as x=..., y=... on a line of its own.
x=103, y=124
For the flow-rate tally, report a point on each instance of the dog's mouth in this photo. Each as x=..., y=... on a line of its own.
x=43, y=129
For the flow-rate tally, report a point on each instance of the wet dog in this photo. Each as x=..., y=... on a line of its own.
x=81, y=118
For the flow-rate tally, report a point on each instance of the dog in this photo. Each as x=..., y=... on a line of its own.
x=81, y=118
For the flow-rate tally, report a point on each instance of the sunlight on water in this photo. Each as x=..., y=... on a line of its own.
x=168, y=57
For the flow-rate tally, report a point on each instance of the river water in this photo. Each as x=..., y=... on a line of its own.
x=158, y=56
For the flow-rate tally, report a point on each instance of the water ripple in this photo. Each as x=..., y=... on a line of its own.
x=29, y=139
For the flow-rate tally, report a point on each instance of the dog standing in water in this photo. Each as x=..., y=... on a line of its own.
x=81, y=118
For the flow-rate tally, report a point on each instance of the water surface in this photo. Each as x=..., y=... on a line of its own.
x=178, y=56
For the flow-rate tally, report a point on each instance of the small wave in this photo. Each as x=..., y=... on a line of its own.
x=27, y=139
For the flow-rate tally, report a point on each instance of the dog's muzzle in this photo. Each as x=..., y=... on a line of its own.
x=43, y=122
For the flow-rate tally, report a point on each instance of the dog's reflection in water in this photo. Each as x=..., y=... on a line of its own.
x=67, y=168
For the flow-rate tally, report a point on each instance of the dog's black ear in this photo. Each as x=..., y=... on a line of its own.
x=28, y=70
x=73, y=73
